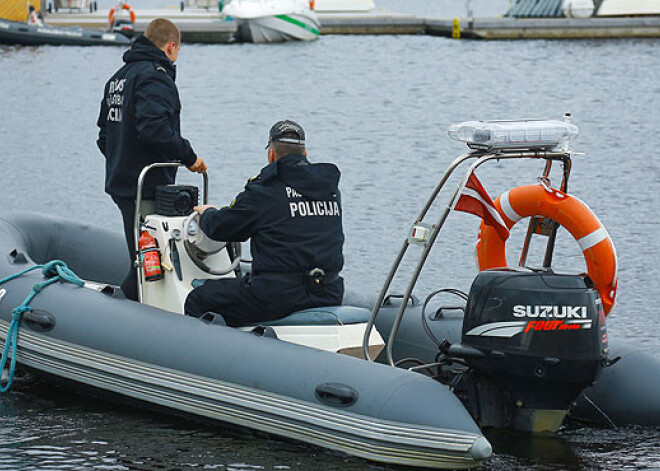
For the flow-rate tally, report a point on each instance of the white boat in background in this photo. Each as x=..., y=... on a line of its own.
x=577, y=8
x=629, y=7
x=340, y=6
x=269, y=21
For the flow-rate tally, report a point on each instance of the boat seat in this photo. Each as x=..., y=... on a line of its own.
x=327, y=315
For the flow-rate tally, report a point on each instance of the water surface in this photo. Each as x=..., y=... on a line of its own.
x=379, y=107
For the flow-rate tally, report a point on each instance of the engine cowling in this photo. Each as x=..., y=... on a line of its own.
x=534, y=340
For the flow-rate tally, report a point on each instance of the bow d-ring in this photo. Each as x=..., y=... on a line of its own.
x=545, y=183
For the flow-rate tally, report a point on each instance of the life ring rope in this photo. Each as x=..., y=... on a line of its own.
x=569, y=212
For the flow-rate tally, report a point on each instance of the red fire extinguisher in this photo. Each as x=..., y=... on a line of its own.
x=148, y=247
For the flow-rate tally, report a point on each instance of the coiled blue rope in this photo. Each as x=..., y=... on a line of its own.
x=55, y=271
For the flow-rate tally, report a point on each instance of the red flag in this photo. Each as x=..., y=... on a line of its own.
x=475, y=200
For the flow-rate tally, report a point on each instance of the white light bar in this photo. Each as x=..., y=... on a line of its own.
x=514, y=135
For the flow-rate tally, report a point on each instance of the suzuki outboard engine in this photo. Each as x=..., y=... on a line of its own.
x=531, y=342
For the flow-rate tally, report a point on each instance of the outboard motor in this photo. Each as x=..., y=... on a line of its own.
x=531, y=342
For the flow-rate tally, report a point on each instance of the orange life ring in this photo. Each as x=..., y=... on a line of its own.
x=569, y=212
x=124, y=6
x=311, y=4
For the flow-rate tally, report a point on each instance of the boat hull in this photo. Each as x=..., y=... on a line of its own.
x=278, y=28
x=133, y=352
x=30, y=35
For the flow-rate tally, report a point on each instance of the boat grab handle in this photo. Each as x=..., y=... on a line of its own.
x=39, y=320
x=336, y=394
x=388, y=301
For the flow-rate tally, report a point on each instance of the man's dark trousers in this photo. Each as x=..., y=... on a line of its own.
x=249, y=300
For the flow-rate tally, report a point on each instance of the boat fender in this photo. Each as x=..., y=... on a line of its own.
x=390, y=299
x=123, y=6
x=336, y=394
x=569, y=212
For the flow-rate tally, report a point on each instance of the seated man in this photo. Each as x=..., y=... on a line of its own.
x=291, y=212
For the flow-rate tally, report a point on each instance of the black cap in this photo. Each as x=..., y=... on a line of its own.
x=287, y=131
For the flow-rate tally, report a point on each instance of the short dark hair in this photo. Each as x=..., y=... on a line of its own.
x=162, y=31
x=285, y=148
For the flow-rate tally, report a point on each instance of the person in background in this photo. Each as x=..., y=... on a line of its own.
x=292, y=214
x=33, y=17
x=139, y=125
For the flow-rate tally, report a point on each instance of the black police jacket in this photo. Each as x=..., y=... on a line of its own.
x=292, y=213
x=139, y=122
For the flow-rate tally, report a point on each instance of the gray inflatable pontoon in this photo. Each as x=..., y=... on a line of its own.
x=12, y=32
x=98, y=339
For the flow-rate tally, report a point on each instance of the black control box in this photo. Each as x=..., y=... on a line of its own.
x=176, y=200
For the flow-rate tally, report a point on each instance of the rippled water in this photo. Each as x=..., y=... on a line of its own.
x=378, y=107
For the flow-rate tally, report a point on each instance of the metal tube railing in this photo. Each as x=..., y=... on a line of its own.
x=395, y=266
x=481, y=159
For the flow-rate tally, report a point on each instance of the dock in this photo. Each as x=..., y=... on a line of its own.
x=371, y=23
x=205, y=26
x=546, y=28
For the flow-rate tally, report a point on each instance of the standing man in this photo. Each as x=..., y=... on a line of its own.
x=139, y=125
x=291, y=212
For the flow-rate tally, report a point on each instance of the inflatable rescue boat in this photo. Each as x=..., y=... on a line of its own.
x=522, y=350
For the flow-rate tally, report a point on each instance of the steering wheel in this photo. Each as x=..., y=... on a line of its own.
x=199, y=246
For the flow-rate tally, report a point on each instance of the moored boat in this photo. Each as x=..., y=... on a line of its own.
x=12, y=32
x=268, y=21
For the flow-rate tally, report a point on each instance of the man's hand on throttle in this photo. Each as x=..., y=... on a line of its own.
x=204, y=207
x=199, y=166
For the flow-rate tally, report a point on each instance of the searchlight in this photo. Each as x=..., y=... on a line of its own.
x=533, y=134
